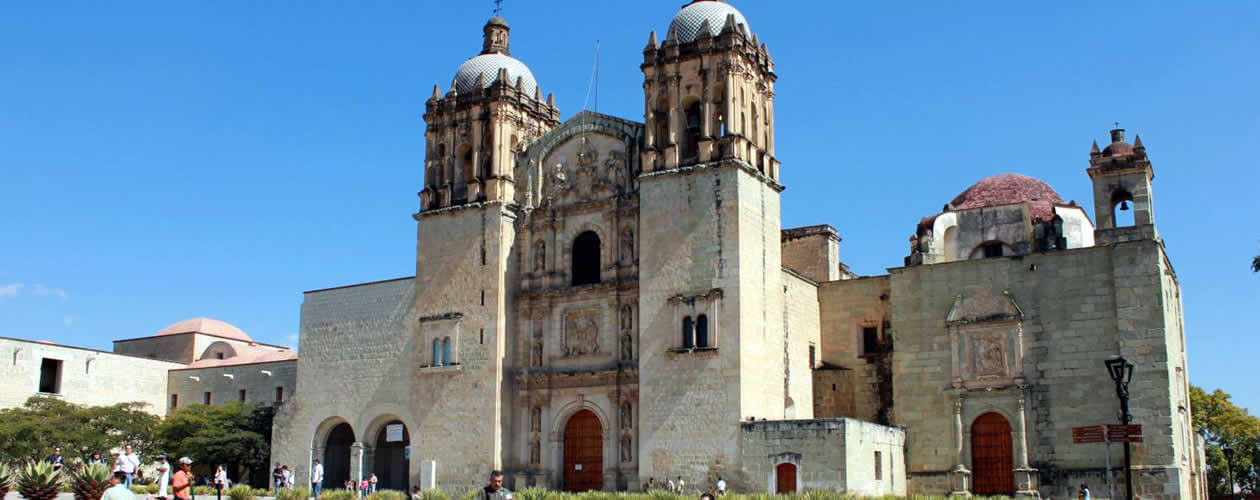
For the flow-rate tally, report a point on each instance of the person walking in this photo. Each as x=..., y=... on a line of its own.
x=182, y=481
x=495, y=490
x=363, y=487
x=669, y=485
x=117, y=490
x=680, y=484
x=56, y=459
x=372, y=483
x=220, y=478
x=721, y=486
x=1083, y=494
x=317, y=479
x=163, y=475
x=277, y=477
x=129, y=462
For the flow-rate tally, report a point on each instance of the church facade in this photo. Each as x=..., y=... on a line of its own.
x=603, y=301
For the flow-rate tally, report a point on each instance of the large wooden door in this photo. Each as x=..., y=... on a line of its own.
x=992, y=462
x=583, y=453
x=785, y=478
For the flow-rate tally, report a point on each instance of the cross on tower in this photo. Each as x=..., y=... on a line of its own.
x=498, y=7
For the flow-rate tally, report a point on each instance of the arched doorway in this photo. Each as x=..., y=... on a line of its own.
x=586, y=259
x=392, y=459
x=992, y=462
x=785, y=478
x=583, y=453
x=337, y=455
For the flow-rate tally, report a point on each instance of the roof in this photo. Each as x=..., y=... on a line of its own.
x=1009, y=189
x=207, y=326
x=246, y=355
x=686, y=24
x=489, y=65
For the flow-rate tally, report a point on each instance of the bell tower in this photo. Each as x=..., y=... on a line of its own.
x=1122, y=176
x=709, y=92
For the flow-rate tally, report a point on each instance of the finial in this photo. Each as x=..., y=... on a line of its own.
x=652, y=43
x=437, y=92
x=1094, y=149
x=498, y=8
x=1137, y=142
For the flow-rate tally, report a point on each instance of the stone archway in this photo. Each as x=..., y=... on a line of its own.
x=583, y=452
x=392, y=456
x=992, y=458
x=336, y=456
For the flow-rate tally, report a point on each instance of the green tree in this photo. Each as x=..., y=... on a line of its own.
x=34, y=429
x=1255, y=264
x=1223, y=426
x=237, y=435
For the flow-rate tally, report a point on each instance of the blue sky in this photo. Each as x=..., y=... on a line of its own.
x=165, y=160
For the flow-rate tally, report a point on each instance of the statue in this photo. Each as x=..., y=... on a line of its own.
x=627, y=348
x=627, y=244
x=540, y=257
x=627, y=318
x=627, y=416
x=535, y=420
x=535, y=453
x=581, y=333
x=626, y=453
x=537, y=355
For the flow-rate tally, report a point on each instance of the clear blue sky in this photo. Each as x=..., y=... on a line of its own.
x=164, y=160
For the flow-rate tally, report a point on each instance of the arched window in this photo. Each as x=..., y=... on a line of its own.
x=1122, y=209
x=466, y=164
x=702, y=331
x=691, y=136
x=586, y=259
x=688, y=333
x=437, y=352
x=446, y=351
x=990, y=250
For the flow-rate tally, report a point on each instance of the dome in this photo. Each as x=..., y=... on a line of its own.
x=686, y=25
x=207, y=326
x=1009, y=189
x=489, y=65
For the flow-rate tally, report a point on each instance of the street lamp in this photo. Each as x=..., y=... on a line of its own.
x=1229, y=464
x=1121, y=371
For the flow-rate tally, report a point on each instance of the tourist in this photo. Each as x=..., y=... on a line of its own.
x=164, y=475
x=416, y=494
x=290, y=477
x=117, y=490
x=1084, y=493
x=182, y=481
x=95, y=458
x=669, y=485
x=277, y=477
x=651, y=484
x=721, y=486
x=129, y=462
x=680, y=485
x=56, y=459
x=317, y=479
x=220, y=478
x=495, y=490
x=363, y=487
x=372, y=483
x=349, y=485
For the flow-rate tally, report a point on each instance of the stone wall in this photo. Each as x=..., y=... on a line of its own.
x=88, y=377
x=812, y=251
x=180, y=348
x=846, y=307
x=828, y=454
x=225, y=383
x=1071, y=310
x=801, y=341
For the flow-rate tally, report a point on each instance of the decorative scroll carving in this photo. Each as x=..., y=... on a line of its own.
x=581, y=332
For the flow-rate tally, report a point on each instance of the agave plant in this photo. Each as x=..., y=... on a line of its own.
x=39, y=481
x=90, y=481
x=6, y=479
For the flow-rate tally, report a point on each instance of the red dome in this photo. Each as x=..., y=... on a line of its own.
x=1009, y=189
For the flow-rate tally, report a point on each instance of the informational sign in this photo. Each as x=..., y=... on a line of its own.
x=394, y=433
x=406, y=453
x=1107, y=433
x=577, y=466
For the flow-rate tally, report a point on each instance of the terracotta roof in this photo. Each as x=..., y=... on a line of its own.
x=1009, y=189
x=246, y=356
x=207, y=326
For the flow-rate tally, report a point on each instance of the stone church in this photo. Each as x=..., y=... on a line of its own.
x=602, y=301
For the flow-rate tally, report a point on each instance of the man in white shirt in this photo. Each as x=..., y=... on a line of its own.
x=118, y=490
x=721, y=486
x=164, y=476
x=129, y=463
x=317, y=479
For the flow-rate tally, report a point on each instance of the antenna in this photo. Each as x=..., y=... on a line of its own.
x=498, y=8
x=594, y=85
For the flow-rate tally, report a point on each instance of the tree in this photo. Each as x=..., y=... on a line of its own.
x=1255, y=264
x=1224, y=425
x=34, y=429
x=237, y=435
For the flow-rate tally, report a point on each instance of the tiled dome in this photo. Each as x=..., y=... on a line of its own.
x=1008, y=189
x=489, y=65
x=686, y=25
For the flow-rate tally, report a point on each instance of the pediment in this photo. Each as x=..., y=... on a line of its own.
x=981, y=304
x=590, y=157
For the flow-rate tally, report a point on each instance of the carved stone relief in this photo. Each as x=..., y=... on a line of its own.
x=986, y=336
x=627, y=455
x=581, y=332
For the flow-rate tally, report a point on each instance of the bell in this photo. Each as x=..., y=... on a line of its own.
x=1124, y=206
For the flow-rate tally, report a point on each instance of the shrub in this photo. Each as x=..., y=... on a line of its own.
x=387, y=495
x=338, y=494
x=39, y=481
x=241, y=492
x=204, y=491
x=6, y=479
x=438, y=494
x=293, y=494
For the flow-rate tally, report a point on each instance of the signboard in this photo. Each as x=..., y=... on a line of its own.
x=394, y=433
x=1107, y=433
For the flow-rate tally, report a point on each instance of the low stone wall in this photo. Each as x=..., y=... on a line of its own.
x=836, y=454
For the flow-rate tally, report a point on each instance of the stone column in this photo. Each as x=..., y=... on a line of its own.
x=356, y=462
x=1025, y=476
x=960, y=477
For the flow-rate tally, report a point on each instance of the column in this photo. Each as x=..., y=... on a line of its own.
x=356, y=462
x=960, y=477
x=1025, y=476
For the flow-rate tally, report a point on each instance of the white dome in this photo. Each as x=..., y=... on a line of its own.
x=489, y=65
x=686, y=25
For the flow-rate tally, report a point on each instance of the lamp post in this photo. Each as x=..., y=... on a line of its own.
x=1121, y=371
x=1229, y=464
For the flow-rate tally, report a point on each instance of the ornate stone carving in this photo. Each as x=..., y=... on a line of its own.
x=535, y=419
x=627, y=416
x=540, y=257
x=990, y=357
x=627, y=348
x=536, y=356
x=535, y=453
x=627, y=455
x=627, y=244
x=581, y=332
x=627, y=318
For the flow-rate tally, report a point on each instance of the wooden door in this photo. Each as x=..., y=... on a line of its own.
x=992, y=462
x=583, y=453
x=785, y=478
